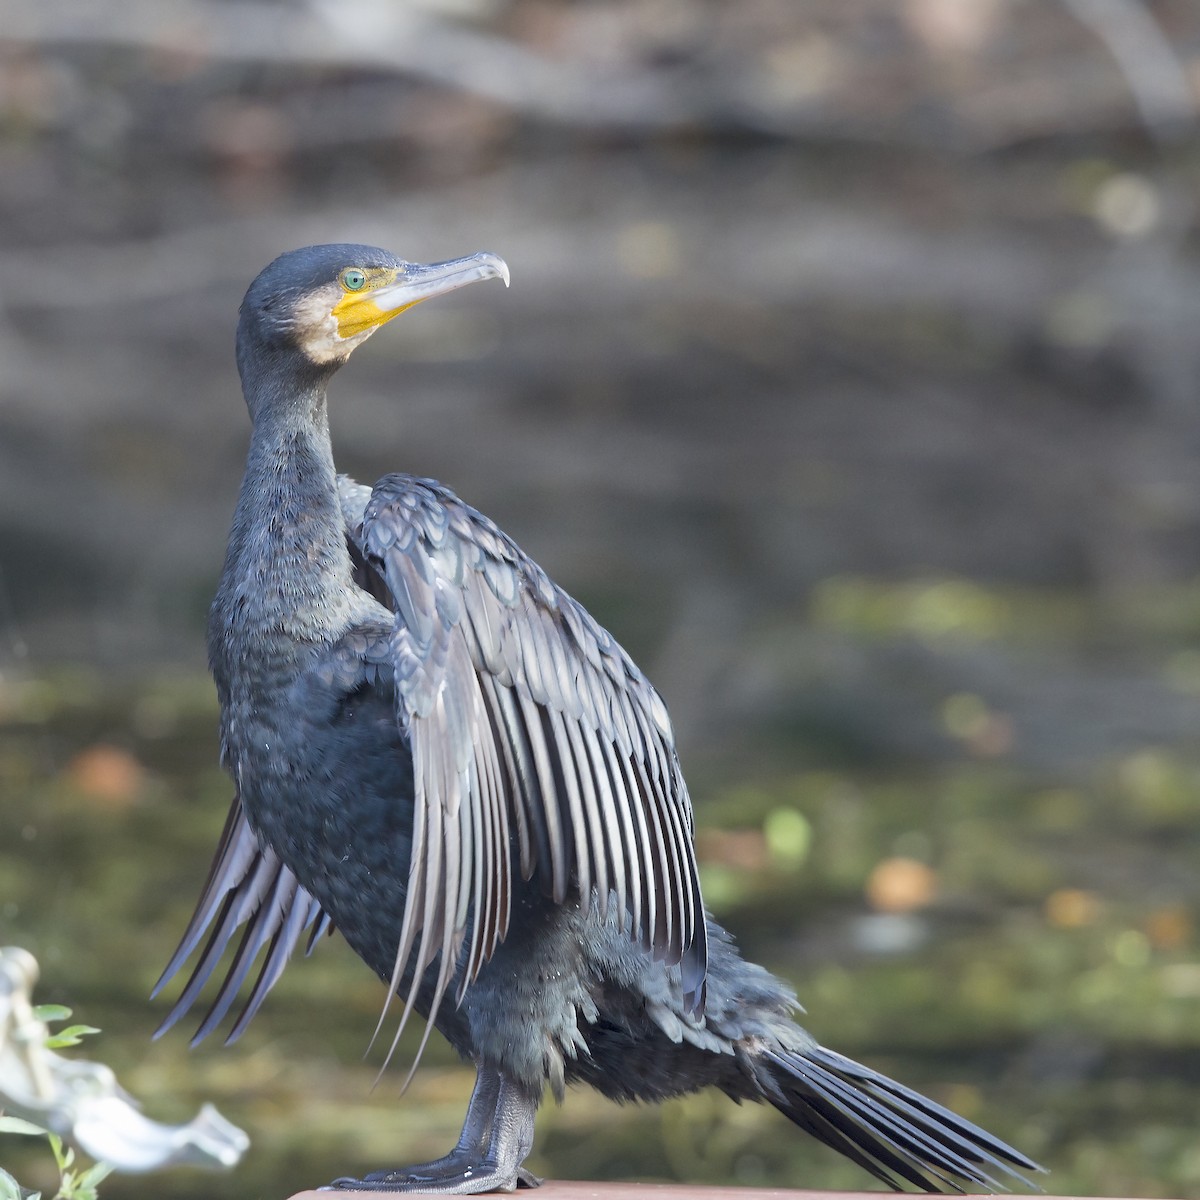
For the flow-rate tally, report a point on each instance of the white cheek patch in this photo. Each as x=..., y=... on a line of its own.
x=317, y=328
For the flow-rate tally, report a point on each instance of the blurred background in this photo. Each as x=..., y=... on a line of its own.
x=848, y=374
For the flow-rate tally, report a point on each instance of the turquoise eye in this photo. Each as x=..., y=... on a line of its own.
x=353, y=280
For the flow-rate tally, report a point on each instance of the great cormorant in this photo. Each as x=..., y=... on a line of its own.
x=437, y=751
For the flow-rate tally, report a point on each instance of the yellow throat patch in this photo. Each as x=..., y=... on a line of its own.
x=356, y=312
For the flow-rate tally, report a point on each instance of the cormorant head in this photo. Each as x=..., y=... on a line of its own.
x=319, y=303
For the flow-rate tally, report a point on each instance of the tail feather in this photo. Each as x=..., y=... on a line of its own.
x=896, y=1134
x=824, y=1121
x=906, y=1135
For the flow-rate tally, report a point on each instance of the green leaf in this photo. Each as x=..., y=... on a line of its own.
x=51, y=1012
x=63, y=1157
x=17, y=1125
x=94, y=1175
x=84, y=1185
x=10, y=1189
x=71, y=1036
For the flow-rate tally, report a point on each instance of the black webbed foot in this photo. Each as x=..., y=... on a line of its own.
x=451, y=1166
x=443, y=1169
x=496, y=1137
x=469, y=1181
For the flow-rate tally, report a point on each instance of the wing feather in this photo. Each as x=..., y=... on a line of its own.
x=568, y=772
x=517, y=775
x=257, y=933
x=635, y=858
x=558, y=863
x=534, y=739
x=594, y=840
x=247, y=885
x=612, y=856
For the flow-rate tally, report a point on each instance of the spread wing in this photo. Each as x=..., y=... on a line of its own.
x=247, y=885
x=533, y=735
x=528, y=723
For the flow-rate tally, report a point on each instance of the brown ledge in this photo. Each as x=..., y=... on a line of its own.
x=578, y=1190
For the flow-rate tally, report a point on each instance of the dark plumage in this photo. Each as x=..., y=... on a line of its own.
x=440, y=753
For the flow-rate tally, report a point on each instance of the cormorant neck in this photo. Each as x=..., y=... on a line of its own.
x=287, y=570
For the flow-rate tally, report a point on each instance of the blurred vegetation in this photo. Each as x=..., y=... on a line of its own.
x=848, y=375
x=75, y=1182
x=1023, y=948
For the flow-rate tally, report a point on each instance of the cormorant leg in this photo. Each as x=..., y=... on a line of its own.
x=472, y=1142
x=512, y=1140
x=496, y=1137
